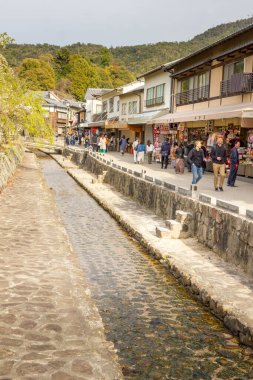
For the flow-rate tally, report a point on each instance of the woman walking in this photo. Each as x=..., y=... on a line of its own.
x=102, y=144
x=173, y=155
x=122, y=145
x=196, y=160
x=180, y=159
x=140, y=152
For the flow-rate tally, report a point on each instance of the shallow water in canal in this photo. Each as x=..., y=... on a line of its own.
x=158, y=329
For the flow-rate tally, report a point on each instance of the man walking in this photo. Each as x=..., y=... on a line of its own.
x=149, y=150
x=234, y=163
x=219, y=157
x=165, y=152
x=196, y=159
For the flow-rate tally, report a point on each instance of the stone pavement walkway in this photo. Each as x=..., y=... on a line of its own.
x=224, y=288
x=49, y=325
x=240, y=196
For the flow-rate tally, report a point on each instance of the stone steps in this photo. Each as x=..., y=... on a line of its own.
x=176, y=229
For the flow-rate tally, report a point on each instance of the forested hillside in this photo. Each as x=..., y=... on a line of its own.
x=75, y=67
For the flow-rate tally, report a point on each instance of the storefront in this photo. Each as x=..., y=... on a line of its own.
x=162, y=132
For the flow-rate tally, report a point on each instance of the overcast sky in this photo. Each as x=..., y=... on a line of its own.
x=115, y=22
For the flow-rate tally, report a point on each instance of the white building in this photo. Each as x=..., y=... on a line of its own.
x=157, y=100
x=95, y=117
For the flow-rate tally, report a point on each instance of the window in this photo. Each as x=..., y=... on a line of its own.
x=155, y=95
x=193, y=89
x=111, y=105
x=160, y=91
x=117, y=105
x=150, y=93
x=194, y=82
x=124, y=108
x=99, y=108
x=233, y=68
x=132, y=107
x=62, y=115
x=104, y=107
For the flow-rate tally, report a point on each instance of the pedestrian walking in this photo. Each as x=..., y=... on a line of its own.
x=219, y=157
x=135, y=146
x=102, y=144
x=122, y=145
x=196, y=159
x=165, y=152
x=180, y=159
x=173, y=155
x=141, y=149
x=94, y=141
x=189, y=147
x=234, y=163
x=149, y=151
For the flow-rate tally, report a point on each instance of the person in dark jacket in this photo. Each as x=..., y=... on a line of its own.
x=219, y=157
x=165, y=152
x=196, y=159
x=234, y=163
x=189, y=147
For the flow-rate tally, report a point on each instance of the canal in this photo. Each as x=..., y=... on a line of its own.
x=159, y=330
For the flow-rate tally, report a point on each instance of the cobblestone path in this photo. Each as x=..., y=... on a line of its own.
x=160, y=332
x=50, y=328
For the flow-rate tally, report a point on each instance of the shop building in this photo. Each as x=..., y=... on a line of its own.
x=157, y=103
x=213, y=94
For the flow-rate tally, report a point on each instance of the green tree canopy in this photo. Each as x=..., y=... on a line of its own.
x=37, y=73
x=20, y=109
x=105, y=57
x=119, y=75
x=61, y=63
x=82, y=75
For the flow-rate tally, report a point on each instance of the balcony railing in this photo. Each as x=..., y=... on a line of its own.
x=154, y=101
x=237, y=84
x=99, y=116
x=192, y=96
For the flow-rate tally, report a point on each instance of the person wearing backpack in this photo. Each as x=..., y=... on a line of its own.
x=196, y=160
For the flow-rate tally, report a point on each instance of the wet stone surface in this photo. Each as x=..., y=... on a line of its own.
x=49, y=325
x=160, y=332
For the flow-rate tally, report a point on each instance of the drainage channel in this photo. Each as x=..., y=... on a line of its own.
x=158, y=329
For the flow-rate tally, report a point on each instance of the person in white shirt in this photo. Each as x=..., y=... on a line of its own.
x=135, y=146
x=149, y=151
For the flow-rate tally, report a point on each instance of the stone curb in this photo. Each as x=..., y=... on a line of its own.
x=218, y=307
x=227, y=206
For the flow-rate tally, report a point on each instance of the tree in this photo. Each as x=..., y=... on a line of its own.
x=61, y=63
x=120, y=75
x=105, y=57
x=20, y=109
x=82, y=75
x=37, y=73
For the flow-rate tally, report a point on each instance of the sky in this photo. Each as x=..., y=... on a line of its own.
x=115, y=22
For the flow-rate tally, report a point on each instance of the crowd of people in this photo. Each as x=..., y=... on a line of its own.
x=193, y=156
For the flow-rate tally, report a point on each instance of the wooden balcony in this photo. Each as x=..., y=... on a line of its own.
x=155, y=101
x=192, y=96
x=237, y=84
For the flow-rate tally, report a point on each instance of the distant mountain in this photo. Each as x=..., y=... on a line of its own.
x=137, y=59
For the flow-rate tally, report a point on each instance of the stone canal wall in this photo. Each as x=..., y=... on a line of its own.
x=9, y=161
x=227, y=234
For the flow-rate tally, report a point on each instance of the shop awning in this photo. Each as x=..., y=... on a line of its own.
x=243, y=110
x=145, y=117
x=96, y=124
